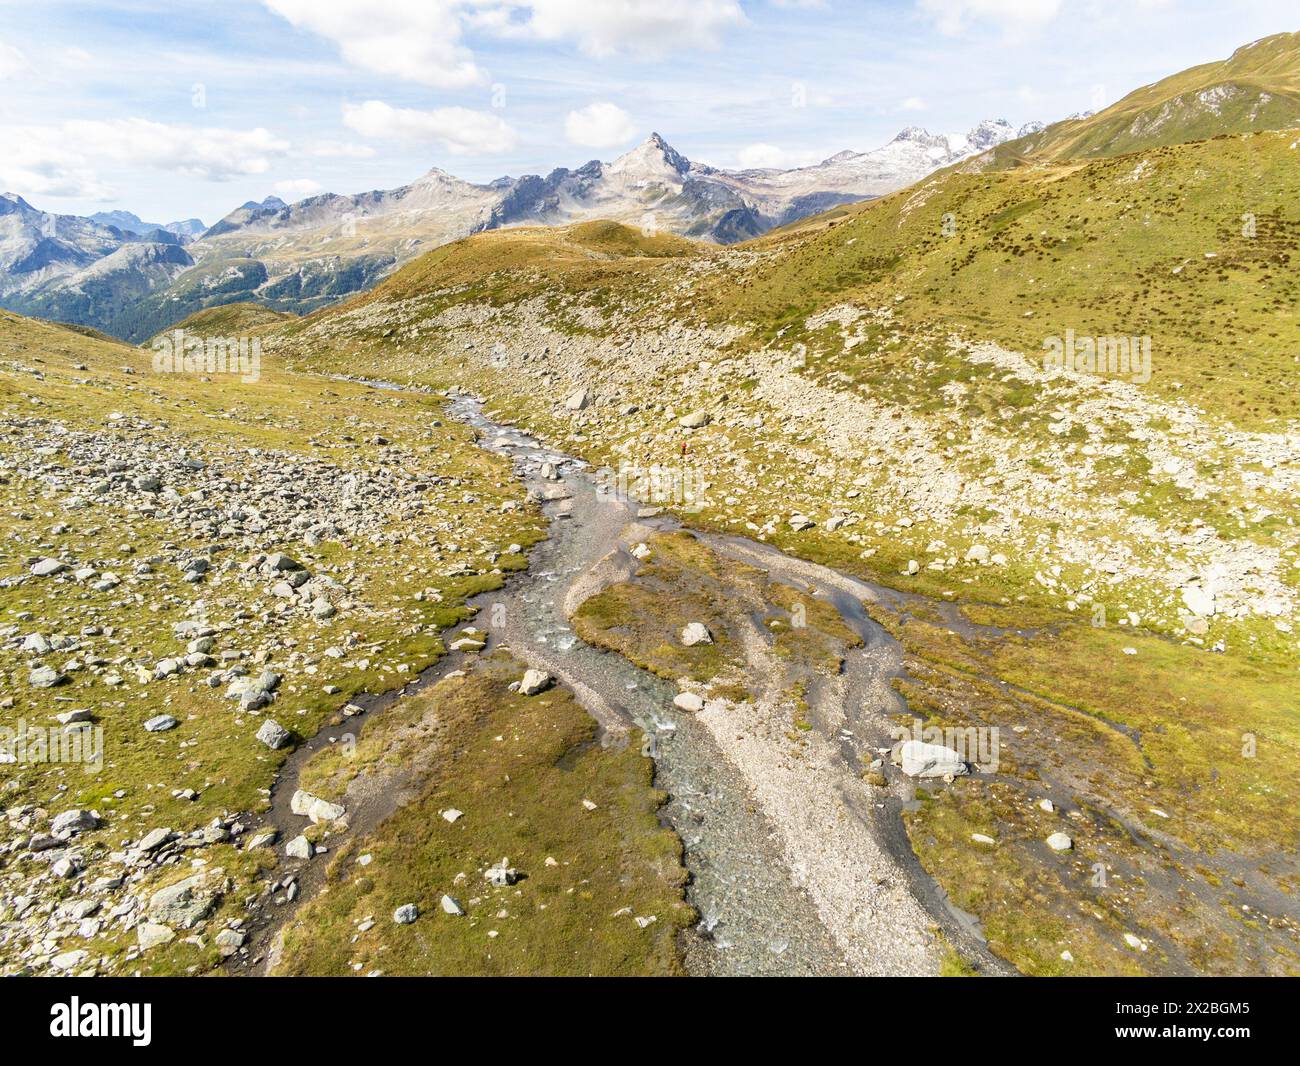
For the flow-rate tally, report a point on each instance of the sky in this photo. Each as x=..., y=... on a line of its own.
x=188, y=108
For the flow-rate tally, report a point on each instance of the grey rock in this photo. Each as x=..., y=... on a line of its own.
x=696, y=633
x=74, y=821
x=927, y=761
x=273, y=734
x=187, y=902
x=45, y=677
x=534, y=681
x=154, y=839
x=315, y=808
x=299, y=848
x=151, y=935
x=229, y=941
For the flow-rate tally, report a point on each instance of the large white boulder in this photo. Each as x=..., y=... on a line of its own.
x=315, y=808
x=534, y=681
x=696, y=633
x=922, y=760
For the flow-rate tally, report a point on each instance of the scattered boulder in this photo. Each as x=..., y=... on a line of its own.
x=45, y=677
x=406, y=914
x=696, y=633
x=1199, y=601
x=273, y=734
x=264, y=839
x=535, y=681
x=688, y=701
x=299, y=848
x=151, y=935
x=69, y=960
x=229, y=941
x=452, y=906
x=695, y=420
x=154, y=839
x=74, y=821
x=161, y=723
x=187, y=902
x=927, y=761
x=315, y=808
x=502, y=874
x=1060, y=842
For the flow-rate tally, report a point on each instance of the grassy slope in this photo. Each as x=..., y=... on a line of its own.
x=229, y=320
x=77, y=381
x=1114, y=246
x=520, y=768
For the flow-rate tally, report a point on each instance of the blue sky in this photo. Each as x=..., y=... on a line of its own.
x=183, y=109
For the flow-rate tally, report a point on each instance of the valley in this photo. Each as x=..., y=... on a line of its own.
x=887, y=567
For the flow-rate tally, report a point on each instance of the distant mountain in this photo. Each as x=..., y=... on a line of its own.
x=77, y=269
x=850, y=176
x=130, y=223
x=129, y=277
x=1256, y=89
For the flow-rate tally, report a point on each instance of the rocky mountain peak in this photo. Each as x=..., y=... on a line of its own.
x=990, y=133
x=919, y=135
x=653, y=158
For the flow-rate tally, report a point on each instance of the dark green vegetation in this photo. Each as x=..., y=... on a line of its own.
x=1172, y=771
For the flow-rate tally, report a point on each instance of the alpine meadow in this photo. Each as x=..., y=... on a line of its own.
x=871, y=553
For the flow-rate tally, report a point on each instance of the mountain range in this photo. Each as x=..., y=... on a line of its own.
x=131, y=278
x=114, y=272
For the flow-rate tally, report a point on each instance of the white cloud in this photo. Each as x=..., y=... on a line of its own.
x=1013, y=16
x=65, y=159
x=912, y=103
x=763, y=156
x=340, y=150
x=297, y=188
x=12, y=62
x=422, y=40
x=461, y=131
x=600, y=125
x=760, y=156
x=651, y=27
x=416, y=40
